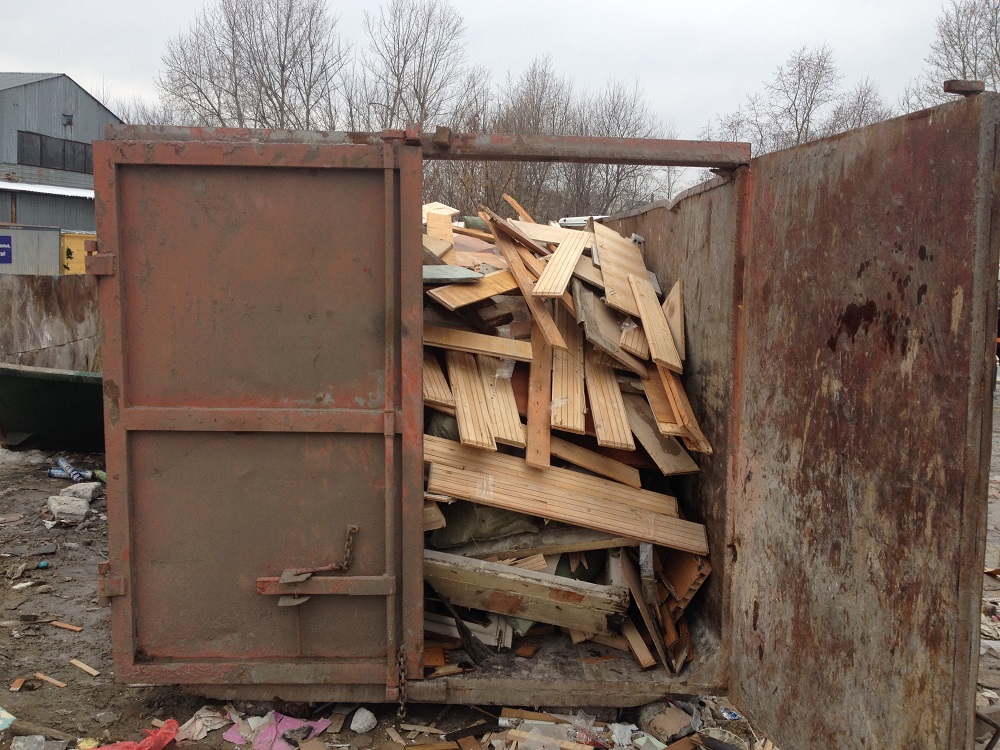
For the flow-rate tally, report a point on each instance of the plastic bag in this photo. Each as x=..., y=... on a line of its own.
x=156, y=739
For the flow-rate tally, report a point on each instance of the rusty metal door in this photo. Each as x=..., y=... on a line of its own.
x=863, y=416
x=261, y=306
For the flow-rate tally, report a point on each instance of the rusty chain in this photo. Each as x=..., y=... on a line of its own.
x=348, y=549
x=401, y=667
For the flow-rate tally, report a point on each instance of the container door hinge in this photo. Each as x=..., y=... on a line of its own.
x=108, y=586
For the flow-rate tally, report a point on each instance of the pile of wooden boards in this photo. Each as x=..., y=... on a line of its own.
x=554, y=344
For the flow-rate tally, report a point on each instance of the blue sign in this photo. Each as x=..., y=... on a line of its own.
x=6, y=249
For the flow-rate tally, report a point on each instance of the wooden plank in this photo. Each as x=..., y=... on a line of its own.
x=619, y=259
x=476, y=259
x=600, y=326
x=587, y=271
x=569, y=399
x=435, y=245
x=527, y=650
x=612, y=641
x=438, y=208
x=50, y=680
x=536, y=306
x=440, y=227
x=654, y=325
x=595, y=462
x=449, y=275
x=673, y=309
x=496, y=222
x=65, y=626
x=668, y=454
x=16, y=685
x=682, y=574
x=551, y=539
x=559, y=269
x=552, y=482
x=455, y=296
x=433, y=517
x=536, y=267
x=474, y=233
x=85, y=667
x=549, y=233
x=520, y=735
x=682, y=409
x=525, y=715
x=606, y=405
x=469, y=743
x=591, y=512
x=525, y=216
x=436, y=389
x=663, y=412
x=638, y=646
x=476, y=343
x=539, y=400
x=635, y=586
x=471, y=410
x=507, y=590
x=500, y=401
x=633, y=340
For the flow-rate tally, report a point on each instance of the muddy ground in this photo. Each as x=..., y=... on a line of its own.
x=65, y=589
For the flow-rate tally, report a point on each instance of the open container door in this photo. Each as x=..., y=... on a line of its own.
x=863, y=415
x=261, y=303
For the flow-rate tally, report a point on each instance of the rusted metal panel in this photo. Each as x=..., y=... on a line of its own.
x=864, y=407
x=259, y=313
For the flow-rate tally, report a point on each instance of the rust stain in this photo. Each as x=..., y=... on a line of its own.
x=111, y=399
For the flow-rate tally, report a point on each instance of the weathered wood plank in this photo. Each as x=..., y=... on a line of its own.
x=600, y=326
x=596, y=463
x=654, y=324
x=449, y=275
x=539, y=399
x=633, y=340
x=619, y=259
x=682, y=409
x=668, y=454
x=673, y=309
x=551, y=539
x=455, y=296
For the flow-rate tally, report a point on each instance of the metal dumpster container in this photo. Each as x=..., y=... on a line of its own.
x=260, y=300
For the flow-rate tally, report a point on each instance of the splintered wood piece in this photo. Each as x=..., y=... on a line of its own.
x=682, y=409
x=527, y=650
x=654, y=324
x=559, y=270
x=668, y=454
x=436, y=389
x=16, y=685
x=586, y=271
x=65, y=626
x=638, y=646
x=539, y=312
x=471, y=409
x=500, y=402
x=525, y=216
x=595, y=462
x=600, y=326
x=85, y=667
x=440, y=227
x=606, y=405
x=50, y=680
x=673, y=309
x=551, y=483
x=663, y=412
x=539, y=400
x=648, y=619
x=569, y=399
x=619, y=258
x=476, y=343
x=593, y=512
x=454, y=296
x=633, y=340
x=433, y=517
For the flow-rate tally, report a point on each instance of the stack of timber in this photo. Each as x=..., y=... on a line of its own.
x=553, y=391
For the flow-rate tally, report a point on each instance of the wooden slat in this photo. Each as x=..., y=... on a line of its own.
x=663, y=412
x=455, y=296
x=595, y=462
x=569, y=399
x=549, y=232
x=654, y=324
x=536, y=306
x=633, y=340
x=591, y=512
x=619, y=258
x=435, y=245
x=439, y=226
x=587, y=271
x=496, y=222
x=476, y=259
x=562, y=263
x=673, y=309
x=504, y=418
x=449, y=275
x=436, y=389
x=471, y=410
x=682, y=409
x=606, y=405
x=536, y=267
x=638, y=646
x=600, y=326
x=666, y=451
x=648, y=619
x=525, y=216
x=549, y=483
x=551, y=539
x=477, y=343
x=539, y=399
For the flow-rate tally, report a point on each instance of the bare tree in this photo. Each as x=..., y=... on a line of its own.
x=256, y=63
x=862, y=105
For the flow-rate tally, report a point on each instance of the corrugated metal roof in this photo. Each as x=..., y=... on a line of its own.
x=13, y=80
x=27, y=187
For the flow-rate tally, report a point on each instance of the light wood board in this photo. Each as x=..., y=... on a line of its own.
x=569, y=399
x=559, y=269
x=539, y=399
x=606, y=405
x=433, y=517
x=536, y=266
x=656, y=395
x=668, y=454
x=673, y=309
x=436, y=246
x=525, y=216
x=595, y=462
x=477, y=343
x=619, y=258
x=436, y=389
x=635, y=586
x=638, y=646
x=504, y=419
x=550, y=233
x=654, y=324
x=455, y=296
x=696, y=439
x=633, y=340
x=439, y=226
x=471, y=410
x=438, y=208
x=600, y=326
x=587, y=271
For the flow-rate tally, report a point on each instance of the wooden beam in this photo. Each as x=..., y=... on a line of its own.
x=596, y=463
x=569, y=399
x=502, y=406
x=606, y=405
x=476, y=343
x=654, y=324
x=559, y=270
x=539, y=399
x=471, y=410
x=666, y=451
x=673, y=309
x=436, y=390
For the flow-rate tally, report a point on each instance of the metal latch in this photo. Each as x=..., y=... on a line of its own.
x=108, y=586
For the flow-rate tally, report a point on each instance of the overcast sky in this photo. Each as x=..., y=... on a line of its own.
x=694, y=58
